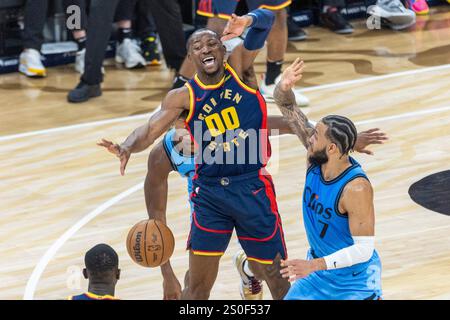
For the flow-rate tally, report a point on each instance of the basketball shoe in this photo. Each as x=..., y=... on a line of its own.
x=393, y=14
x=250, y=287
x=31, y=64
x=267, y=92
x=418, y=6
x=150, y=51
x=129, y=53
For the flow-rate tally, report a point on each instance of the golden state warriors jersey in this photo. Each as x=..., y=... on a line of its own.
x=228, y=122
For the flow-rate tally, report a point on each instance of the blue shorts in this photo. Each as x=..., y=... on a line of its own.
x=224, y=8
x=352, y=283
x=246, y=203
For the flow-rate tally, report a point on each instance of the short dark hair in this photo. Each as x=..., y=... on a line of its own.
x=341, y=131
x=198, y=31
x=101, y=259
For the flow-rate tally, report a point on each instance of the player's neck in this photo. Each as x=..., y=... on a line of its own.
x=211, y=79
x=101, y=289
x=334, y=167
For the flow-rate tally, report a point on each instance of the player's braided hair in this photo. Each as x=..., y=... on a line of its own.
x=341, y=131
x=101, y=259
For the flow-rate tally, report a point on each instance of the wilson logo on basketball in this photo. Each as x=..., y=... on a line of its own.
x=137, y=247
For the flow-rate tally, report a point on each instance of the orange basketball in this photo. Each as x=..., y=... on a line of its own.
x=150, y=243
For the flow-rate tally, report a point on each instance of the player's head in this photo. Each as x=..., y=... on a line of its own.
x=102, y=265
x=334, y=137
x=206, y=51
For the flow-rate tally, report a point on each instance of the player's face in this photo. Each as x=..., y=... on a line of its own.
x=318, y=145
x=207, y=53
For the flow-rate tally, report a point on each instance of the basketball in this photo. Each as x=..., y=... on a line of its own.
x=150, y=243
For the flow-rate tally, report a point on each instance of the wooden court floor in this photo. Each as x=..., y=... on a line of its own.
x=61, y=194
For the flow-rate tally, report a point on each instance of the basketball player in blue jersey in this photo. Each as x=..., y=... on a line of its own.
x=176, y=153
x=102, y=271
x=338, y=209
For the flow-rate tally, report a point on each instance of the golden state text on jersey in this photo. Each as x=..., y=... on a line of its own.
x=228, y=122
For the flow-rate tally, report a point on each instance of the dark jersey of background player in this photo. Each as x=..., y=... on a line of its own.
x=102, y=271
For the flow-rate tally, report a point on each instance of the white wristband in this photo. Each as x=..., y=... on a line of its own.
x=360, y=251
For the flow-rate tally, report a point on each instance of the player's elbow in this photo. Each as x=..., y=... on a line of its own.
x=364, y=246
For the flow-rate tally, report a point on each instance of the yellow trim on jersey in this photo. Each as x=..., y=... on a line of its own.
x=242, y=84
x=206, y=14
x=209, y=86
x=96, y=296
x=278, y=7
x=261, y=261
x=191, y=102
x=206, y=253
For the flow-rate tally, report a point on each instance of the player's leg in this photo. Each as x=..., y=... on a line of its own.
x=201, y=276
x=270, y=273
x=259, y=230
x=209, y=236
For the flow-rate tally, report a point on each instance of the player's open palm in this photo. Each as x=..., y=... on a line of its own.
x=292, y=75
x=235, y=26
x=121, y=153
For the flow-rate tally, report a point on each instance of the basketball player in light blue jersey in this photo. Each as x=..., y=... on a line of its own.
x=175, y=152
x=338, y=209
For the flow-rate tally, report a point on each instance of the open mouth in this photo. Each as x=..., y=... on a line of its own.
x=209, y=61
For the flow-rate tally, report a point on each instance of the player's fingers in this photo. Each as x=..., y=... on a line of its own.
x=366, y=151
x=123, y=165
x=372, y=130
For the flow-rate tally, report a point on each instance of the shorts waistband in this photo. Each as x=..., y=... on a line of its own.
x=225, y=181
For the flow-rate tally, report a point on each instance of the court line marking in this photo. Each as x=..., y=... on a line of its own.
x=51, y=252
x=40, y=267
x=145, y=116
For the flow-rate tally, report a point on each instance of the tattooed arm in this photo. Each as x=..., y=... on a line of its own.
x=285, y=100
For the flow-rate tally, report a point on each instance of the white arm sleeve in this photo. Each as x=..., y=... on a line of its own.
x=360, y=251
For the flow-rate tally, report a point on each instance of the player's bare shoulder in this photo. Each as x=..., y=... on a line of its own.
x=356, y=193
x=177, y=98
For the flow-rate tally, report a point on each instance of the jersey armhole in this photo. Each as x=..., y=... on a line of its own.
x=338, y=198
x=191, y=103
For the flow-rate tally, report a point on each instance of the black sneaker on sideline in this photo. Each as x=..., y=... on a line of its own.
x=83, y=92
x=295, y=33
x=333, y=20
x=150, y=51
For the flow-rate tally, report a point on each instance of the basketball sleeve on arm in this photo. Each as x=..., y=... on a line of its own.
x=361, y=251
x=259, y=29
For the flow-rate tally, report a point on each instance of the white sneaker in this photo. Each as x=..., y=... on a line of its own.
x=79, y=62
x=267, y=92
x=129, y=53
x=31, y=64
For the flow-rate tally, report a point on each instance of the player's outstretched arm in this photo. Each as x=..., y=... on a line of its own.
x=173, y=105
x=260, y=22
x=285, y=100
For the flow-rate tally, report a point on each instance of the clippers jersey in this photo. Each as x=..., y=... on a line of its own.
x=327, y=229
x=225, y=121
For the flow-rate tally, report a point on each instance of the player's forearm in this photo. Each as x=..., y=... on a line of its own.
x=166, y=270
x=139, y=140
x=260, y=25
x=296, y=119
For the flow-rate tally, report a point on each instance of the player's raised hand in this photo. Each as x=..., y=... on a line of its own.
x=122, y=153
x=236, y=26
x=292, y=75
x=368, y=137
